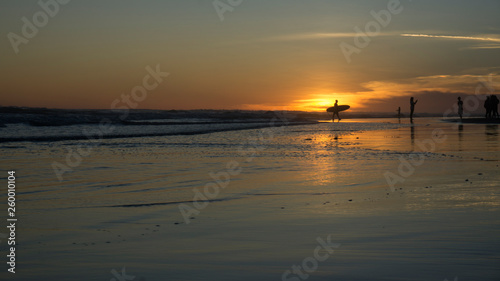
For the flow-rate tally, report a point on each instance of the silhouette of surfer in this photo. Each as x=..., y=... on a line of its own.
x=336, y=110
x=412, y=108
x=460, y=104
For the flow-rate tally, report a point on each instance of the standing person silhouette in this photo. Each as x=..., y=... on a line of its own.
x=494, y=106
x=412, y=108
x=460, y=104
x=399, y=112
x=487, y=106
x=336, y=110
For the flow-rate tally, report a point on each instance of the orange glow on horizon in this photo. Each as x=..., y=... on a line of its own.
x=320, y=103
x=316, y=103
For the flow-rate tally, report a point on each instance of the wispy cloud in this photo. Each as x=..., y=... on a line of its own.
x=327, y=35
x=308, y=36
x=318, y=36
x=484, y=42
x=486, y=46
x=456, y=37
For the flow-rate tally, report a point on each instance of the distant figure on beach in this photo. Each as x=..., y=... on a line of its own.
x=460, y=104
x=487, y=107
x=336, y=110
x=399, y=112
x=412, y=107
x=494, y=106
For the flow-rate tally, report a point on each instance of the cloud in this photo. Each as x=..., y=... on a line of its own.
x=456, y=37
x=436, y=92
x=327, y=35
x=485, y=46
x=487, y=41
x=443, y=83
x=318, y=36
x=307, y=36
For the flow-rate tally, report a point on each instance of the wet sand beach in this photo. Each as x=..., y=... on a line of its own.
x=355, y=200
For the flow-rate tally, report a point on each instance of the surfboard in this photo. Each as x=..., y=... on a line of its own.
x=339, y=108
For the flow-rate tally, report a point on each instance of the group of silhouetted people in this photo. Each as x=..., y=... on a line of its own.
x=413, y=102
x=491, y=106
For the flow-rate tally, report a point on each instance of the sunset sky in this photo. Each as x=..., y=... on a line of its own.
x=269, y=55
